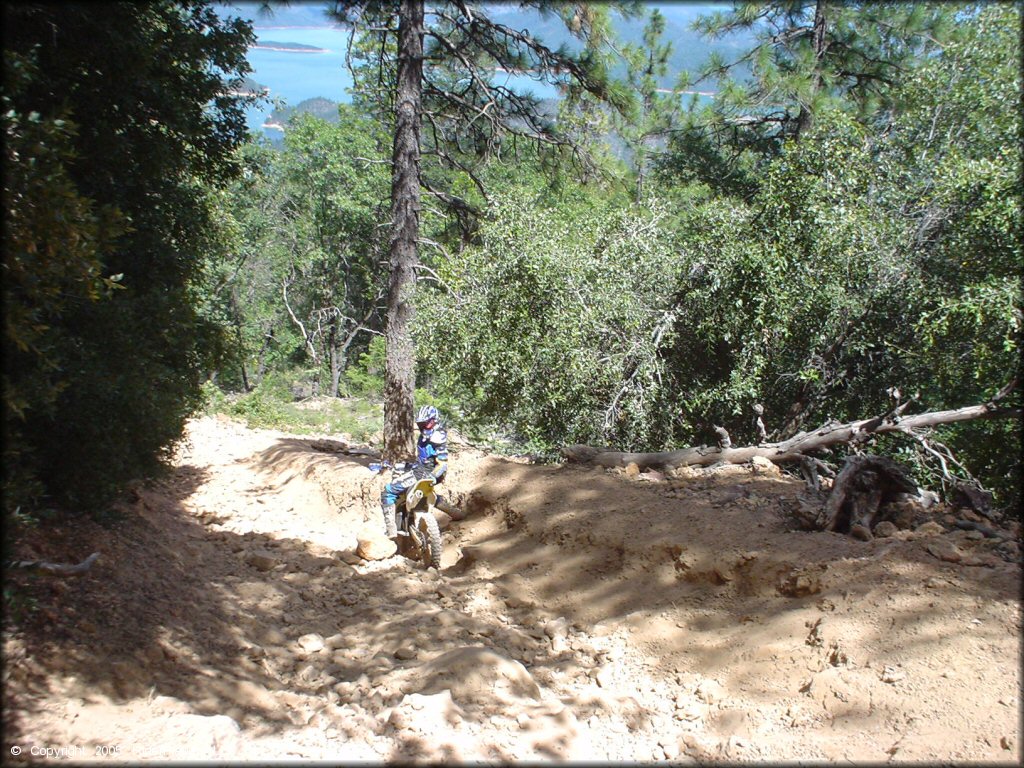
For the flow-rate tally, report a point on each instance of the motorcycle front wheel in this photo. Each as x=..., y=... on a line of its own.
x=428, y=536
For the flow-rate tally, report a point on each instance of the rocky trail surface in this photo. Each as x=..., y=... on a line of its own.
x=580, y=614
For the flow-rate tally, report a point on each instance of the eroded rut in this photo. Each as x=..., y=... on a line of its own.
x=579, y=615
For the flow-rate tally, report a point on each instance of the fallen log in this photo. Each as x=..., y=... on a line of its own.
x=792, y=449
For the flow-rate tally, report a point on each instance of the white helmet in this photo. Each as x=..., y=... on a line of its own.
x=427, y=414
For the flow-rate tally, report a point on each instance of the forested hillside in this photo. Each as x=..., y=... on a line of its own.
x=727, y=465
x=835, y=237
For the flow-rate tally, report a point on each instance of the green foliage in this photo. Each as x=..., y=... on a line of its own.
x=550, y=327
x=788, y=300
x=53, y=240
x=366, y=377
x=272, y=405
x=807, y=265
x=807, y=58
x=658, y=114
x=305, y=281
x=955, y=157
x=862, y=261
x=214, y=399
x=19, y=603
x=259, y=409
x=474, y=117
x=107, y=217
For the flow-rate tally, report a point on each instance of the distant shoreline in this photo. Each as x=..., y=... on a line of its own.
x=311, y=26
x=533, y=73
x=259, y=47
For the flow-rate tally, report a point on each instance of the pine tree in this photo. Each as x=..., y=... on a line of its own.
x=436, y=70
x=809, y=53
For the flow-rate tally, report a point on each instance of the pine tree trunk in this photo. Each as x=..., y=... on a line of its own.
x=399, y=376
x=804, y=119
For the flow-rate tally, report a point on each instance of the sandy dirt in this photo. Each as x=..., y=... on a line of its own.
x=580, y=614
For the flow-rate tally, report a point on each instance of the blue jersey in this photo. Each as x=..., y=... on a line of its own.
x=432, y=449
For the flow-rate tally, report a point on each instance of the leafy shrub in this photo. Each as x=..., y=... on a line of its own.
x=214, y=399
x=551, y=328
x=260, y=409
x=366, y=377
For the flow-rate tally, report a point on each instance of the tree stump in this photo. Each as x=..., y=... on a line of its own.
x=861, y=488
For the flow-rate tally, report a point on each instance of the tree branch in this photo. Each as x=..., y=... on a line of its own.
x=795, y=448
x=58, y=569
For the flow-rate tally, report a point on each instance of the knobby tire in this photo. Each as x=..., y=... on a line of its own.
x=430, y=540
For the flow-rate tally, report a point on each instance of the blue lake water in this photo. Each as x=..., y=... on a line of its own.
x=294, y=77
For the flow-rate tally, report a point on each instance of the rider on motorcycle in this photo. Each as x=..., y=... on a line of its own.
x=431, y=454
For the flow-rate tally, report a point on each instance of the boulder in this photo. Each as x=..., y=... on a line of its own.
x=261, y=560
x=763, y=466
x=376, y=547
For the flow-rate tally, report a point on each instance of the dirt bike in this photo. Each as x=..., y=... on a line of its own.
x=415, y=514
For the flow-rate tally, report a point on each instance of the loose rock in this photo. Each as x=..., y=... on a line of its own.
x=885, y=529
x=376, y=548
x=710, y=691
x=311, y=643
x=763, y=466
x=261, y=560
x=945, y=550
x=406, y=652
x=931, y=528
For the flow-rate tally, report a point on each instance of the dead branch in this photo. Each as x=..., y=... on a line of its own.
x=762, y=434
x=58, y=569
x=796, y=447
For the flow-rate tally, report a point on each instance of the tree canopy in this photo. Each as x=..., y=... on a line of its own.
x=110, y=168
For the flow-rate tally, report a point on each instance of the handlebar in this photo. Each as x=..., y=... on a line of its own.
x=420, y=471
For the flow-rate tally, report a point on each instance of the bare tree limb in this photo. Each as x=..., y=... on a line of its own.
x=58, y=569
x=305, y=334
x=796, y=447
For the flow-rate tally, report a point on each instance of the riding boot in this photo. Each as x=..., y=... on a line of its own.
x=390, y=525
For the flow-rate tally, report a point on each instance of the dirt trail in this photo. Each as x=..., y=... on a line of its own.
x=580, y=614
